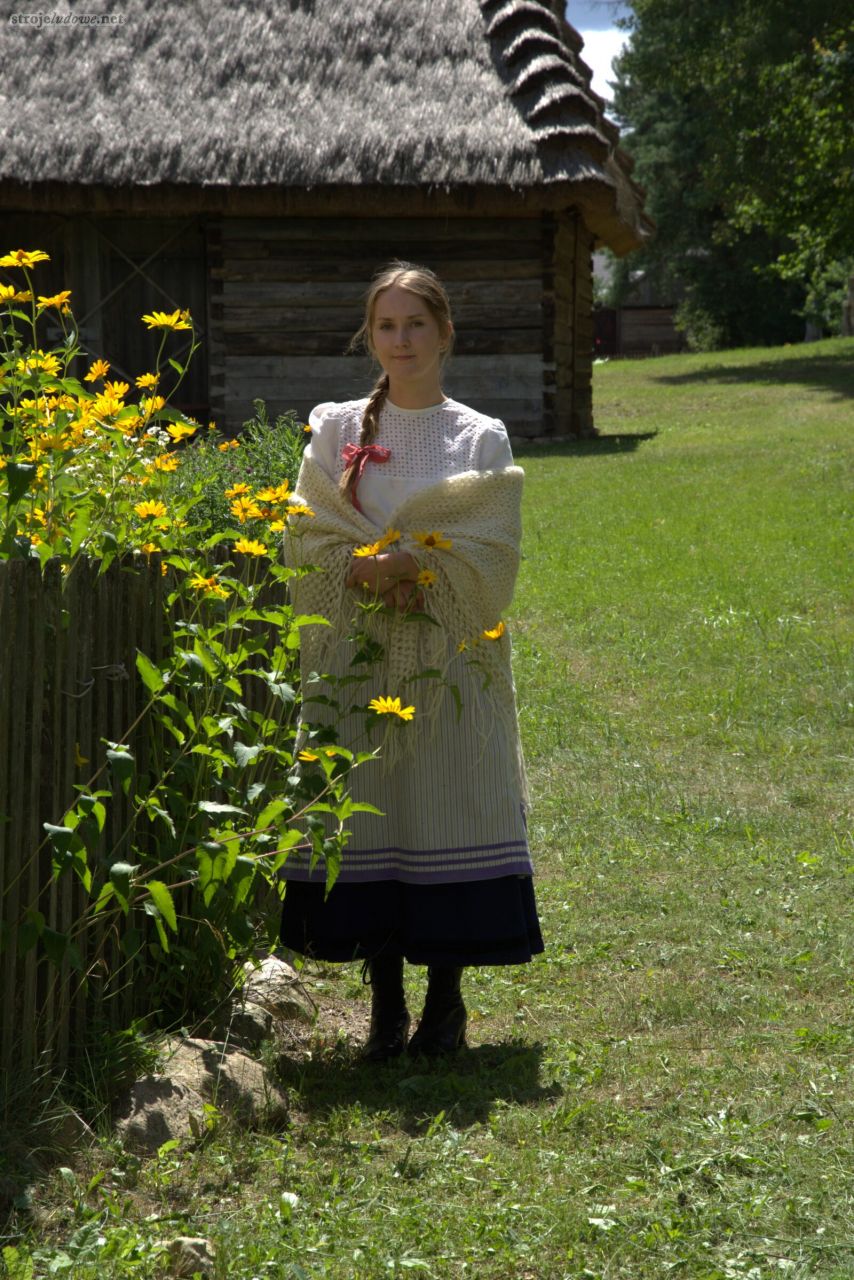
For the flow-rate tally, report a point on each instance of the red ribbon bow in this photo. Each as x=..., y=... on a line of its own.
x=361, y=455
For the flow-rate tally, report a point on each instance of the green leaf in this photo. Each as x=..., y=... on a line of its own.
x=214, y=807
x=121, y=763
x=270, y=813
x=151, y=675
x=120, y=878
x=163, y=900
x=79, y=528
x=245, y=755
x=19, y=477
x=179, y=368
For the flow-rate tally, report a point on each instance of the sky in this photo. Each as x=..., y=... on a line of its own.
x=595, y=20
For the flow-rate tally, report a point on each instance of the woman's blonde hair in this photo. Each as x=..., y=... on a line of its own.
x=424, y=284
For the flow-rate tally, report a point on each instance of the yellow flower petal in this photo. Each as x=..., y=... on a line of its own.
x=436, y=540
x=391, y=707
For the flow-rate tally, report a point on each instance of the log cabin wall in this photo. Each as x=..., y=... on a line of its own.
x=572, y=398
x=286, y=296
x=118, y=269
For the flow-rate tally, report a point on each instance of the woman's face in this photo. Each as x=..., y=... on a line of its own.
x=405, y=336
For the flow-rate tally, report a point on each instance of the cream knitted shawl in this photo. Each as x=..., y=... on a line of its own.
x=479, y=513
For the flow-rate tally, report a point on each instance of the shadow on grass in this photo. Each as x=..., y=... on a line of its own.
x=585, y=446
x=833, y=374
x=465, y=1085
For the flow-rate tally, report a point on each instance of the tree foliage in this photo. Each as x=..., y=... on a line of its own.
x=738, y=115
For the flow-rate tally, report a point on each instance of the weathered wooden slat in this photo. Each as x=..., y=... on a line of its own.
x=349, y=231
x=474, y=342
x=285, y=293
x=512, y=267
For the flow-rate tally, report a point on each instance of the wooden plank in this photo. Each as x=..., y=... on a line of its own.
x=467, y=341
x=343, y=296
x=512, y=267
x=8, y=848
x=351, y=230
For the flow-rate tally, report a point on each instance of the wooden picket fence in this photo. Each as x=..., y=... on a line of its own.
x=68, y=681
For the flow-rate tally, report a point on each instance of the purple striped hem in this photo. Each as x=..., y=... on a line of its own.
x=514, y=867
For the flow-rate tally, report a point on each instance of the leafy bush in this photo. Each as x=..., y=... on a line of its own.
x=222, y=793
x=265, y=455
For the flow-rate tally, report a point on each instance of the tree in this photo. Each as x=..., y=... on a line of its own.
x=736, y=113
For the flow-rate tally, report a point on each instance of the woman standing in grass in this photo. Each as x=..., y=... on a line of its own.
x=416, y=505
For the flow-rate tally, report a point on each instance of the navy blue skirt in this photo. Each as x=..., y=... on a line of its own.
x=465, y=923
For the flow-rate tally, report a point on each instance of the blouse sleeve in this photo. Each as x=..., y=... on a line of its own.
x=325, y=435
x=493, y=452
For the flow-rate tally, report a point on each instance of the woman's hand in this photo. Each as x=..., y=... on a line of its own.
x=390, y=576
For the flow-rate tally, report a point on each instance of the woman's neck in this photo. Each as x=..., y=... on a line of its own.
x=412, y=396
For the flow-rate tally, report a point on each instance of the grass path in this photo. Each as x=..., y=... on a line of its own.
x=668, y=1091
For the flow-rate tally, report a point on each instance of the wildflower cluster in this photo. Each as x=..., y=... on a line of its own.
x=84, y=461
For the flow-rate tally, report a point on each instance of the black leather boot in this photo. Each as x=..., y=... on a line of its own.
x=389, y=1015
x=442, y=1028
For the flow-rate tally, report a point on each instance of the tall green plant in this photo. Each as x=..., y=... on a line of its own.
x=230, y=780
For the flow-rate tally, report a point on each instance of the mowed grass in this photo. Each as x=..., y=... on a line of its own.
x=668, y=1090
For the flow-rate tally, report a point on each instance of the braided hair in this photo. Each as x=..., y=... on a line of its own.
x=426, y=285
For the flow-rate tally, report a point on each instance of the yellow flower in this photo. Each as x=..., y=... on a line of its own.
x=308, y=756
x=228, y=444
x=38, y=360
x=117, y=389
x=147, y=380
x=160, y=320
x=299, y=509
x=495, y=633
x=264, y=495
x=165, y=462
x=462, y=646
x=211, y=586
x=150, y=510
x=371, y=549
x=7, y=292
x=249, y=547
x=283, y=491
x=391, y=707
x=245, y=509
x=307, y=429
x=277, y=526
x=149, y=547
x=57, y=300
x=390, y=536
x=23, y=258
x=177, y=430
x=435, y=539
x=99, y=369
x=55, y=440
x=426, y=578
x=236, y=490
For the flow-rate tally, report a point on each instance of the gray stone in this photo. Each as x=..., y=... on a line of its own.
x=189, y=1254
x=232, y=1081
x=156, y=1110
x=243, y=1026
x=275, y=985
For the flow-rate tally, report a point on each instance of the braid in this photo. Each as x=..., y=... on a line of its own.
x=370, y=427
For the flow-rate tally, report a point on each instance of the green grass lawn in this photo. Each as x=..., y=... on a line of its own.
x=668, y=1090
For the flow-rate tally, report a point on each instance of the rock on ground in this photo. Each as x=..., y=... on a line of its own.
x=189, y=1255
x=158, y=1109
x=231, y=1080
x=275, y=985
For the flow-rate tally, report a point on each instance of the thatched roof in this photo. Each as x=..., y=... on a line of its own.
x=315, y=94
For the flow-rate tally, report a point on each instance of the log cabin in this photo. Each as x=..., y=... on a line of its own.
x=257, y=161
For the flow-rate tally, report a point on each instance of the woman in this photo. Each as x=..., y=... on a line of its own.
x=442, y=876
